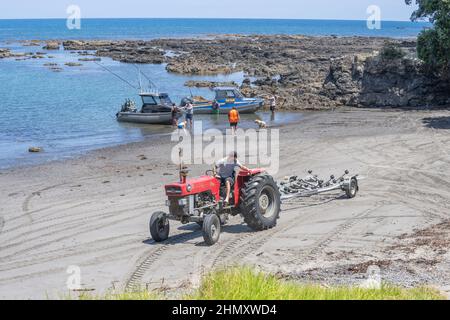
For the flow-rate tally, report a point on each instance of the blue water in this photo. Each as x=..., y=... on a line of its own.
x=156, y=28
x=73, y=111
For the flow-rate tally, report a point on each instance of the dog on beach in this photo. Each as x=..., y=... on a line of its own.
x=261, y=124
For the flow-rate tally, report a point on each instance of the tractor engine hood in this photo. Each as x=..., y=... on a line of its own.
x=194, y=186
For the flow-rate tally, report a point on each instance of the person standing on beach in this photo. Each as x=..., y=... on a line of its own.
x=189, y=114
x=234, y=118
x=273, y=103
x=174, y=115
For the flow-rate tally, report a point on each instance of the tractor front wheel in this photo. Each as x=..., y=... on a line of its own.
x=260, y=202
x=159, y=226
x=211, y=229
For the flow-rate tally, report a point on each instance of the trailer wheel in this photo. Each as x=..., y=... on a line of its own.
x=260, y=202
x=352, y=188
x=159, y=227
x=211, y=229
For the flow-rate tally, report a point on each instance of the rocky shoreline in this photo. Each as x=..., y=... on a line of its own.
x=305, y=72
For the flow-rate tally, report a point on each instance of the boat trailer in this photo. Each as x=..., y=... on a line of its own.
x=295, y=187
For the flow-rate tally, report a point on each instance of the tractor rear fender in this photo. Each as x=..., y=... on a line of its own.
x=242, y=178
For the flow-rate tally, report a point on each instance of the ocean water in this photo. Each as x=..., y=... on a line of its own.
x=73, y=111
x=156, y=28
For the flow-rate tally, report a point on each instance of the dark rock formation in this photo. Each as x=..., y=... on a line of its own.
x=378, y=82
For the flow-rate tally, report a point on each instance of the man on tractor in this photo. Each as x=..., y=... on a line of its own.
x=227, y=168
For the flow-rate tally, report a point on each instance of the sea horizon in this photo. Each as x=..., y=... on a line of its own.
x=152, y=28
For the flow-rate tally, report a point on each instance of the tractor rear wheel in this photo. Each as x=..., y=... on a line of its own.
x=260, y=202
x=211, y=229
x=159, y=227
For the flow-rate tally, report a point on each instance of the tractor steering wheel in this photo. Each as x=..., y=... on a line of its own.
x=210, y=173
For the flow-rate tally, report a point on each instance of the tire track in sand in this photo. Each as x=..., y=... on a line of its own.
x=26, y=202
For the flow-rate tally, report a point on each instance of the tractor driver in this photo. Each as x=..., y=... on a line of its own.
x=227, y=168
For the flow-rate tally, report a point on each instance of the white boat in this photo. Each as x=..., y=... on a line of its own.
x=156, y=109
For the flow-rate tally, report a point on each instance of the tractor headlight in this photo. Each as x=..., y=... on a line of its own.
x=189, y=188
x=167, y=203
x=183, y=202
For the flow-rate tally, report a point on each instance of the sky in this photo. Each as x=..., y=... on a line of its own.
x=395, y=10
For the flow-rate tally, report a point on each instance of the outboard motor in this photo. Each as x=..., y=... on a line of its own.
x=185, y=101
x=129, y=106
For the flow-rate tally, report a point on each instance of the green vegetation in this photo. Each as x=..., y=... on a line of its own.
x=243, y=283
x=392, y=51
x=433, y=45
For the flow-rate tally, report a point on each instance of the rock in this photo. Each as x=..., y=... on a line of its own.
x=52, y=45
x=5, y=53
x=90, y=59
x=209, y=84
x=73, y=64
x=35, y=149
x=32, y=43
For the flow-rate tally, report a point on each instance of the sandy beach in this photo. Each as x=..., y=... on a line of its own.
x=93, y=212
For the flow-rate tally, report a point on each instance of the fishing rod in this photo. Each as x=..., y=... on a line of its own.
x=146, y=77
x=115, y=74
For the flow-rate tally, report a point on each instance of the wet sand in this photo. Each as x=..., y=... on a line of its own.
x=93, y=212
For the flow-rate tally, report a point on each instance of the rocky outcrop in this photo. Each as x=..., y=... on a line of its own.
x=148, y=55
x=123, y=51
x=374, y=81
x=76, y=45
x=209, y=84
x=73, y=64
x=304, y=72
x=52, y=45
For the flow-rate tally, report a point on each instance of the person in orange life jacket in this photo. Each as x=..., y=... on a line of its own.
x=234, y=118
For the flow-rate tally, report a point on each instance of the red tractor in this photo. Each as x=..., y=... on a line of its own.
x=255, y=195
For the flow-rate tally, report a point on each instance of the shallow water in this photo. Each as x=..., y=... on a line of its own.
x=73, y=111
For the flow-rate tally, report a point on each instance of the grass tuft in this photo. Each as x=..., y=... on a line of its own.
x=243, y=283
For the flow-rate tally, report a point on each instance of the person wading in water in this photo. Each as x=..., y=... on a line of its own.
x=273, y=103
x=234, y=118
x=216, y=107
x=175, y=111
x=189, y=114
